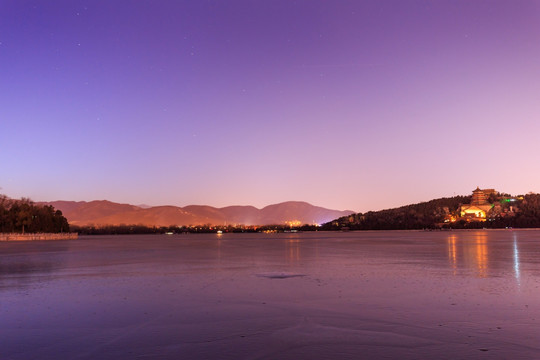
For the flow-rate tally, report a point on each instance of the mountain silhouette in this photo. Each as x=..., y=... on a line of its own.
x=103, y=212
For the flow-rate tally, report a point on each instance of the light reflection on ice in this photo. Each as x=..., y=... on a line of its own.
x=293, y=250
x=516, y=259
x=471, y=250
x=481, y=254
x=452, y=252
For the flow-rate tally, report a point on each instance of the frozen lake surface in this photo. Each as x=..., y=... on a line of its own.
x=321, y=295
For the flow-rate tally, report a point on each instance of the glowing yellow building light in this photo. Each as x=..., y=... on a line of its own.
x=475, y=212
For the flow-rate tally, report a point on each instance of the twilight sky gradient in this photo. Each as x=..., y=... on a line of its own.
x=358, y=105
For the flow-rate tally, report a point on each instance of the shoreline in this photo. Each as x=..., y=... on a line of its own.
x=38, y=236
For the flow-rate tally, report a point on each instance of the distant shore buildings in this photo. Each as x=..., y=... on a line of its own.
x=486, y=208
x=479, y=207
x=482, y=209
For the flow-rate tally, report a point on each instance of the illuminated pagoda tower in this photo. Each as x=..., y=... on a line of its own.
x=478, y=197
x=478, y=208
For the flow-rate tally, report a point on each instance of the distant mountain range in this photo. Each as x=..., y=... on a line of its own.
x=105, y=212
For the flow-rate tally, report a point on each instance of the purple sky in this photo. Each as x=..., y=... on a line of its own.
x=358, y=105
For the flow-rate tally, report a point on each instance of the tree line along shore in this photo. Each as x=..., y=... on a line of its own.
x=23, y=217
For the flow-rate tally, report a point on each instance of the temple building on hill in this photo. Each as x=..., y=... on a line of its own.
x=479, y=207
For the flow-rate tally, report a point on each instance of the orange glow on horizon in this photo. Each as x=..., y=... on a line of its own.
x=293, y=223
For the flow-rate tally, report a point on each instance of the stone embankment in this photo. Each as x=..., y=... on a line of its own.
x=40, y=236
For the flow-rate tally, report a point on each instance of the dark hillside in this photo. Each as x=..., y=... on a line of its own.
x=416, y=216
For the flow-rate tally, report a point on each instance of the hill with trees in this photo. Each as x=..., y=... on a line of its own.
x=416, y=216
x=24, y=216
x=507, y=211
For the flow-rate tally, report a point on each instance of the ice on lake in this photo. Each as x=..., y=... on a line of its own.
x=316, y=295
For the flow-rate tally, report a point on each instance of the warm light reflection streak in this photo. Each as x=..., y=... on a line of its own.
x=293, y=250
x=452, y=252
x=481, y=255
x=472, y=253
